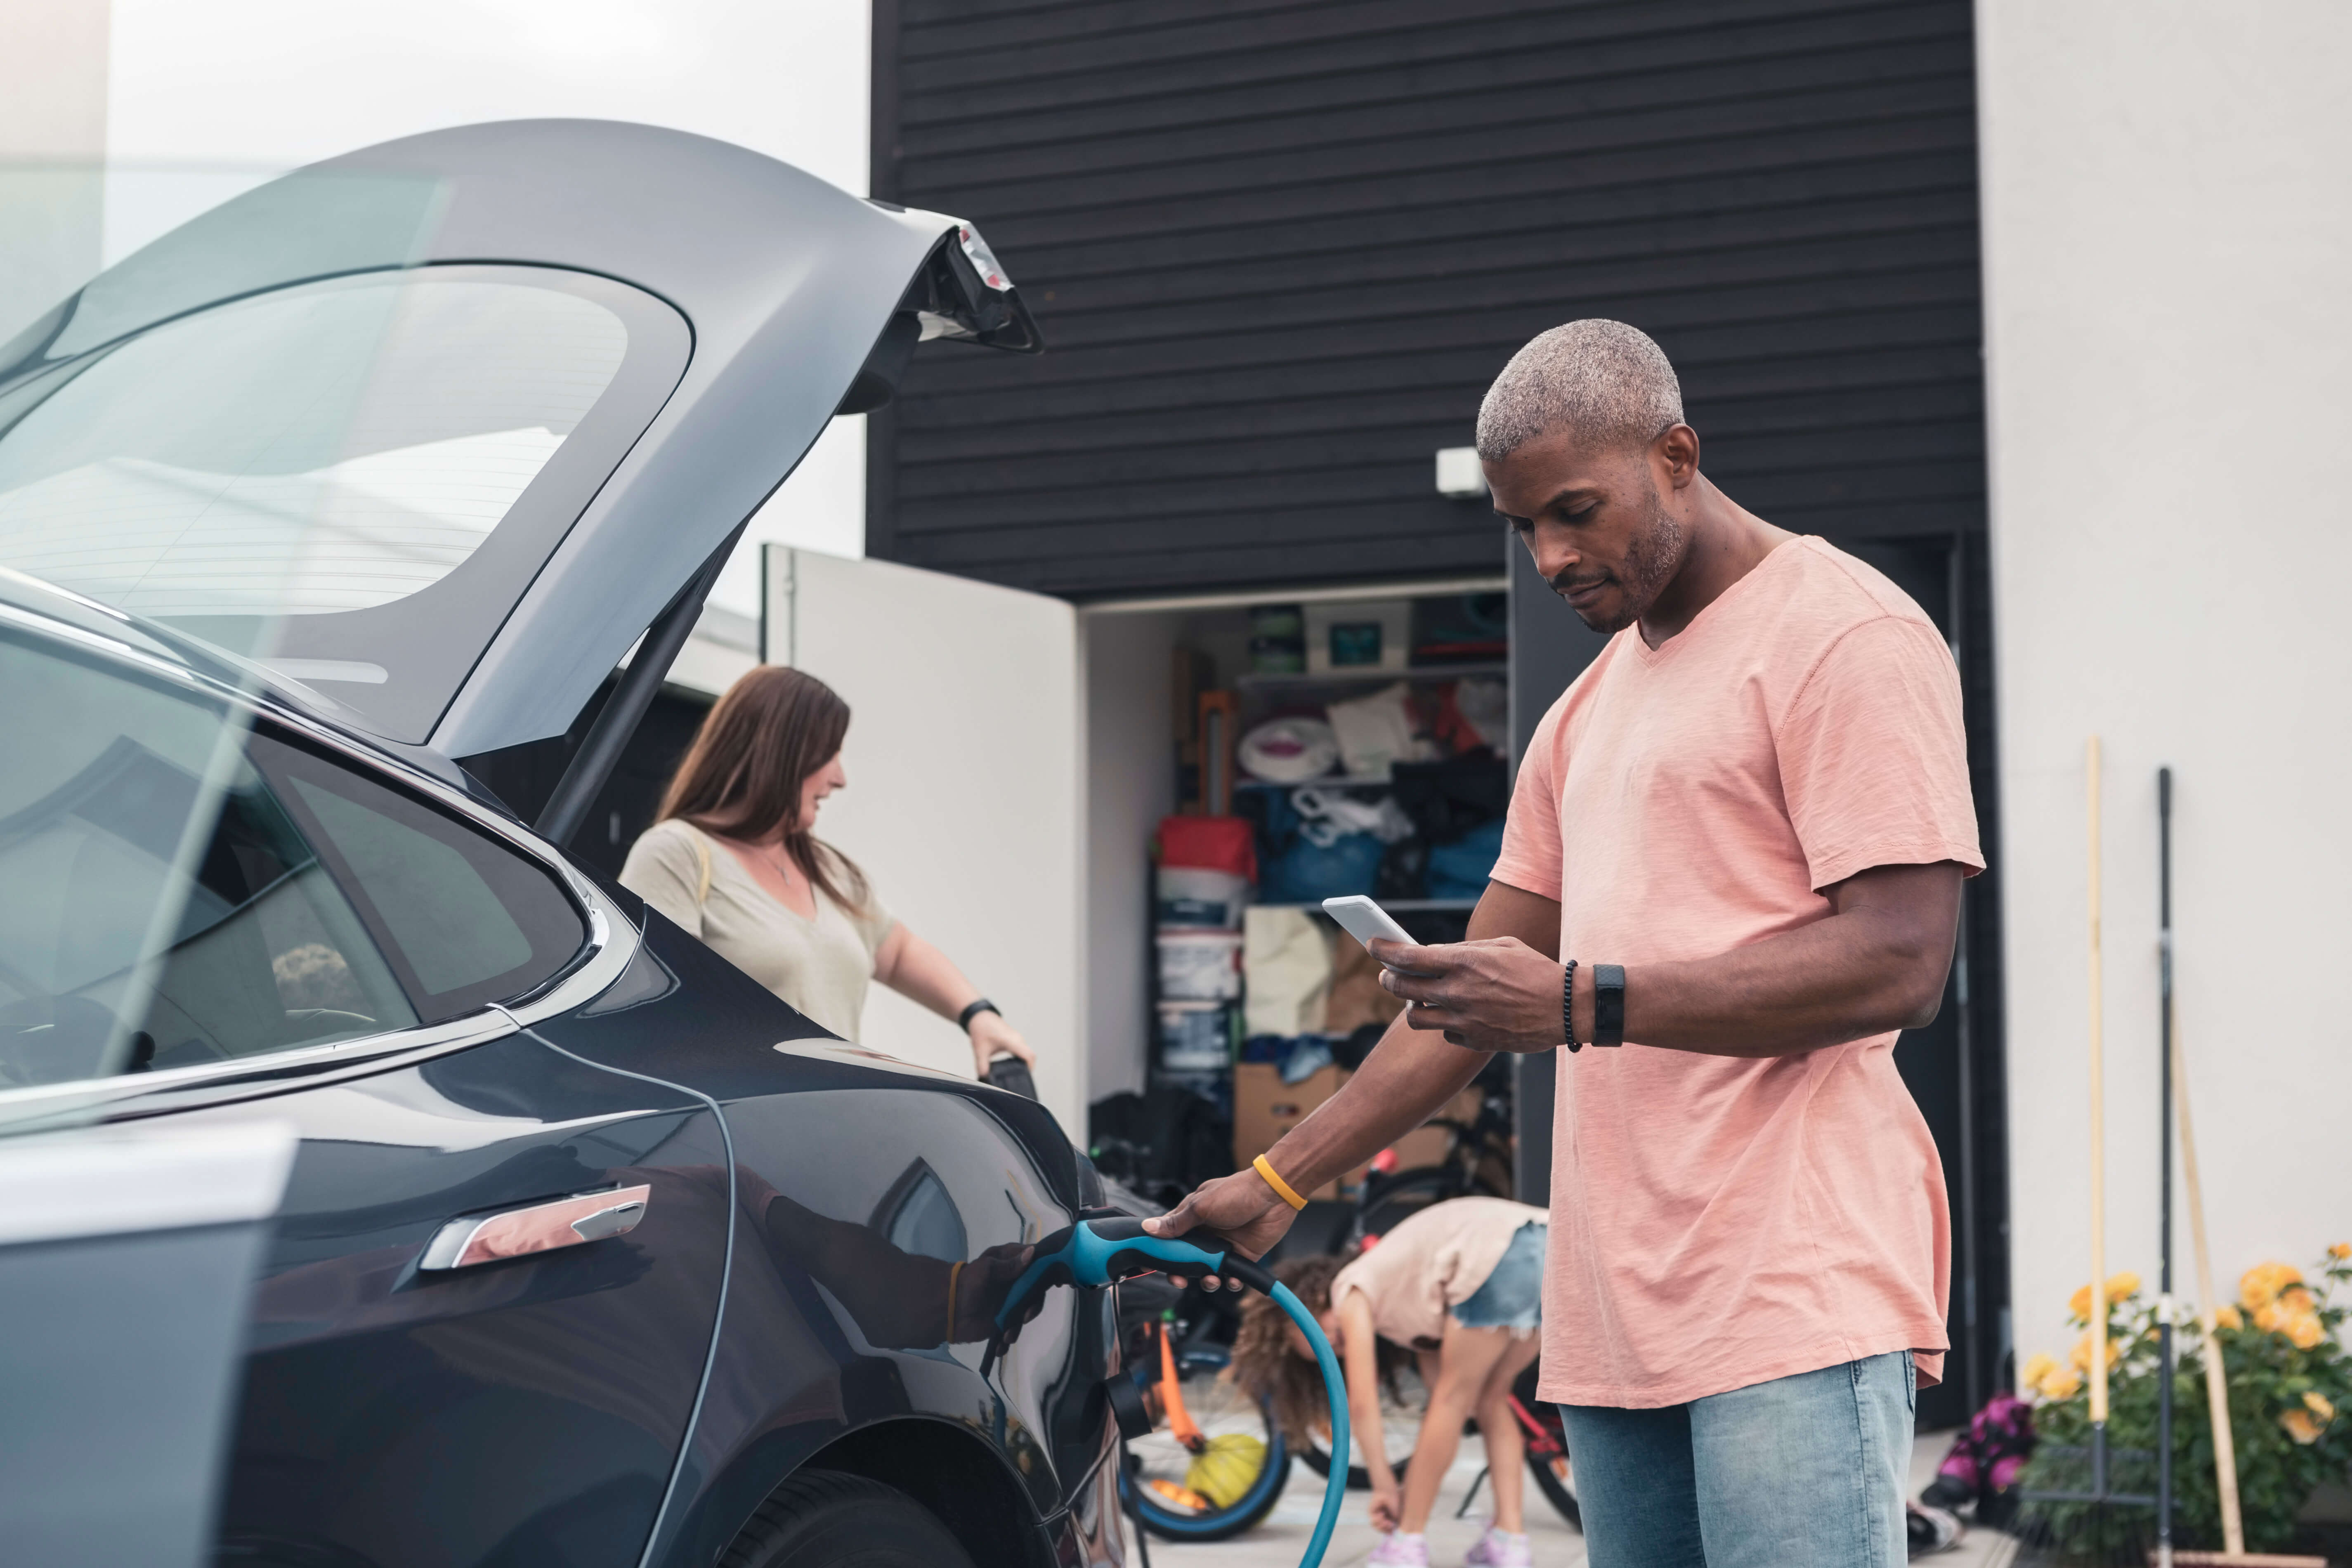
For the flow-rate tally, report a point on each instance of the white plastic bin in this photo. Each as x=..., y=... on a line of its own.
x=1195, y=1037
x=1193, y=895
x=1199, y=965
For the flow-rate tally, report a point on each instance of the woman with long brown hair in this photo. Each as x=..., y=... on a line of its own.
x=734, y=857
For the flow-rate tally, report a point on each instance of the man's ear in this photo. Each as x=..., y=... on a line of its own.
x=1677, y=452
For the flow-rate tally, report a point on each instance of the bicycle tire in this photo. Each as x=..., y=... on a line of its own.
x=1317, y=1459
x=1172, y=1523
x=1554, y=1476
x=1407, y=1193
x=1555, y=1486
x=1220, y=1524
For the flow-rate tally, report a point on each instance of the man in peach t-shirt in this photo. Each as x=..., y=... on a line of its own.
x=1731, y=874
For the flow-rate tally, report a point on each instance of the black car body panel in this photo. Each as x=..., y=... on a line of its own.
x=528, y=1410
x=865, y=1188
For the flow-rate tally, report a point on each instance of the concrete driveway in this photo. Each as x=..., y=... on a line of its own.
x=1277, y=1542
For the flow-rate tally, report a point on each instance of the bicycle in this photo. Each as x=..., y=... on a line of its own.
x=1539, y=1429
x=1477, y=1164
x=1215, y=1462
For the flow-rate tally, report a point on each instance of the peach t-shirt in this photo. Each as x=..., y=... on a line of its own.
x=1716, y=1221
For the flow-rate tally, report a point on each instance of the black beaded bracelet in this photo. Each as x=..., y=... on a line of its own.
x=1568, y=1005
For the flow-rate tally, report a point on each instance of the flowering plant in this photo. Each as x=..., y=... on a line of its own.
x=2290, y=1390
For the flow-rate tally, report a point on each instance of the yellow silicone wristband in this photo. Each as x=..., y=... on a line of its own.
x=1281, y=1188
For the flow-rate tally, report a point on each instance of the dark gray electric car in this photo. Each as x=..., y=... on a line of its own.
x=594, y=1252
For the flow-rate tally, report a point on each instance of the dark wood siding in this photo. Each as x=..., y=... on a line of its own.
x=1278, y=250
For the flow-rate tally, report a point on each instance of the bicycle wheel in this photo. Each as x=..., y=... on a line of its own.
x=1402, y=1400
x=1546, y=1444
x=1184, y=1496
x=1389, y=1201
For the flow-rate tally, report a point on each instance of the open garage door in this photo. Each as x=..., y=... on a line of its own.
x=963, y=802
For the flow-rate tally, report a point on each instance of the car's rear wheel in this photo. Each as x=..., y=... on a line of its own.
x=820, y=1518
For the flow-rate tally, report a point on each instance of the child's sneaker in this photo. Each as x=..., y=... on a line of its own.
x=1398, y=1550
x=1496, y=1549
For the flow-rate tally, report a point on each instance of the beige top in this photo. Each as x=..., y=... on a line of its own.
x=1431, y=1263
x=821, y=966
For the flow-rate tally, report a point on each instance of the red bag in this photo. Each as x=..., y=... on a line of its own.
x=1210, y=844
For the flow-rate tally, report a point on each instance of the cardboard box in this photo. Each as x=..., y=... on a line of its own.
x=1265, y=1107
x=1427, y=1145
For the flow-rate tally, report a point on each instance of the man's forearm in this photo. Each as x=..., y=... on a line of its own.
x=1877, y=963
x=1401, y=1084
x=1869, y=969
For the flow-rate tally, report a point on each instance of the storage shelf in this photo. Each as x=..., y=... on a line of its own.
x=1254, y=681
x=1329, y=780
x=1395, y=906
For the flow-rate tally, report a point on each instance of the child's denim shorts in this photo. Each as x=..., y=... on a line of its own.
x=1512, y=1297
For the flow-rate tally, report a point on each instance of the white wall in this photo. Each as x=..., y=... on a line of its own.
x=1130, y=783
x=244, y=88
x=964, y=802
x=2169, y=308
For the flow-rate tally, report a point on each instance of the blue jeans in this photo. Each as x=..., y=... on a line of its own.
x=1801, y=1472
x=1512, y=1297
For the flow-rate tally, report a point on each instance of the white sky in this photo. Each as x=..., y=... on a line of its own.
x=223, y=93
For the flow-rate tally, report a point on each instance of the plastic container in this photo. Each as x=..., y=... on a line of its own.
x=1192, y=896
x=1199, y=965
x=1209, y=844
x=1196, y=1037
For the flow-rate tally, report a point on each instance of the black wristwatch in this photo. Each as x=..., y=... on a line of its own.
x=964, y=1018
x=1608, y=1004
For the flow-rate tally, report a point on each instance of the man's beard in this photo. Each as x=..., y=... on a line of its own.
x=1651, y=562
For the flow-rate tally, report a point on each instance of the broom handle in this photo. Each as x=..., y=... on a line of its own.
x=2217, y=1381
x=2098, y=1368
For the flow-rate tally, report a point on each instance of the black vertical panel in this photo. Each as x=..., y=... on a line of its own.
x=1278, y=250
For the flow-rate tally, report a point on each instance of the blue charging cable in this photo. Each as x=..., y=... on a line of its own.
x=1099, y=1251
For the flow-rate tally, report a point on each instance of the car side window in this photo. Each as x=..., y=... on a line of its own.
x=162, y=907
x=463, y=918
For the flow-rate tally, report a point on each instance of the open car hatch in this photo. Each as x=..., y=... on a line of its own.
x=438, y=428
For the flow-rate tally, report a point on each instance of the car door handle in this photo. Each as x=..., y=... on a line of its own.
x=540, y=1227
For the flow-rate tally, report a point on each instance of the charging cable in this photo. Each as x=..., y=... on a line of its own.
x=1099, y=1251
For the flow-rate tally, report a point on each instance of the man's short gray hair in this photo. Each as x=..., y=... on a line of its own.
x=1604, y=380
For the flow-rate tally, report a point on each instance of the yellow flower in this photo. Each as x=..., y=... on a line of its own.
x=2319, y=1405
x=2297, y=1301
x=2123, y=1287
x=2228, y=1318
x=2079, y=1304
x=2305, y=1330
x=2340, y=1251
x=2261, y=1284
x=2082, y=1353
x=2059, y=1382
x=2301, y=1426
x=2037, y=1367
x=2272, y=1318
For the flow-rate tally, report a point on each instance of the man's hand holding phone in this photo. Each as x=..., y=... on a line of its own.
x=1497, y=994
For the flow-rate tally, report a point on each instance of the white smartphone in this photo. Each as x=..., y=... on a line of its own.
x=1364, y=920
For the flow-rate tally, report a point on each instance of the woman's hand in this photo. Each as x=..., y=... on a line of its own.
x=991, y=1037
x=1388, y=1502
